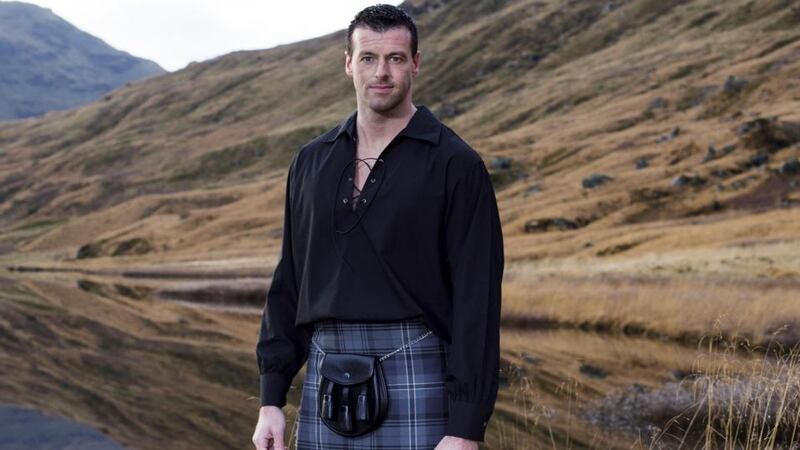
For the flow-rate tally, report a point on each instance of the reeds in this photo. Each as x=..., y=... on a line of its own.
x=750, y=405
x=736, y=397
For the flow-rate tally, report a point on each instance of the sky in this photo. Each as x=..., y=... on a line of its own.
x=174, y=33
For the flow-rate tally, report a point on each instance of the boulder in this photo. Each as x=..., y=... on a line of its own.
x=607, y=8
x=530, y=359
x=648, y=194
x=790, y=167
x=448, y=110
x=769, y=135
x=688, y=180
x=657, y=103
x=738, y=184
x=593, y=371
x=734, y=84
x=594, y=180
x=532, y=189
x=757, y=160
x=555, y=223
x=675, y=132
x=725, y=172
x=500, y=162
x=711, y=154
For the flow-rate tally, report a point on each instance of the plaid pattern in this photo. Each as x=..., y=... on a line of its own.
x=415, y=377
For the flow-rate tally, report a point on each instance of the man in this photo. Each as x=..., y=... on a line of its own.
x=376, y=253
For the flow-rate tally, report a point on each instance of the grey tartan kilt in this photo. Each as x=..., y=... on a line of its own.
x=418, y=407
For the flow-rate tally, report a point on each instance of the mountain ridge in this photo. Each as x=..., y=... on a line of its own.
x=49, y=64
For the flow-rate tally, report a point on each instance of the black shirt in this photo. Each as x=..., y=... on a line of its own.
x=422, y=239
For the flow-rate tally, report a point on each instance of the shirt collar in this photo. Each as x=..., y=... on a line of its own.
x=423, y=125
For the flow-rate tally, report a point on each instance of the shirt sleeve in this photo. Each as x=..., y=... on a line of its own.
x=474, y=244
x=282, y=348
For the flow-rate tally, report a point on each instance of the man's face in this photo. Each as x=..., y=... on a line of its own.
x=382, y=67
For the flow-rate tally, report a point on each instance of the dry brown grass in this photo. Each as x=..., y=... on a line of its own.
x=554, y=374
x=736, y=406
x=653, y=395
x=679, y=307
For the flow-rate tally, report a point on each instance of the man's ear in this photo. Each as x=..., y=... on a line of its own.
x=415, y=63
x=348, y=60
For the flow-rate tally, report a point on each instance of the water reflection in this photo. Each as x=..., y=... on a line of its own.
x=22, y=428
x=151, y=369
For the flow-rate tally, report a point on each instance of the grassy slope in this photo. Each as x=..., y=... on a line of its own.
x=182, y=161
x=563, y=88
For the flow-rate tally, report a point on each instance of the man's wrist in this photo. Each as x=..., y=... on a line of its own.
x=461, y=439
x=459, y=442
x=266, y=409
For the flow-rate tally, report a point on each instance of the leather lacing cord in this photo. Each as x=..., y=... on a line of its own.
x=353, y=198
x=370, y=178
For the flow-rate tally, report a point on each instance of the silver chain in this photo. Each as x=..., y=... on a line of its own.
x=405, y=346
x=388, y=355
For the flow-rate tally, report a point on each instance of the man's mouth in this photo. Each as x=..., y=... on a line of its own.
x=381, y=87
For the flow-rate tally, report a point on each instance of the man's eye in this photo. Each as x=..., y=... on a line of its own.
x=366, y=58
x=396, y=59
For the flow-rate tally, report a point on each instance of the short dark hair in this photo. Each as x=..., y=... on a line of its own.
x=380, y=18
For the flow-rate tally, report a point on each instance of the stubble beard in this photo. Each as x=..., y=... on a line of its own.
x=382, y=104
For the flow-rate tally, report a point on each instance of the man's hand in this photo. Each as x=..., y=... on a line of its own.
x=269, y=430
x=456, y=443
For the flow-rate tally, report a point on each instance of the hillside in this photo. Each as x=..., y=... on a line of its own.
x=611, y=129
x=49, y=64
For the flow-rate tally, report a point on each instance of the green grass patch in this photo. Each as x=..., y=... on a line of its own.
x=271, y=151
x=790, y=20
x=134, y=246
x=44, y=223
x=91, y=250
x=726, y=101
x=750, y=12
x=557, y=156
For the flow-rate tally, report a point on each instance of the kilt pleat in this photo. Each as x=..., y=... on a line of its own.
x=415, y=377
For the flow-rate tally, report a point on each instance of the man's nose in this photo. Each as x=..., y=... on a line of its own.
x=382, y=70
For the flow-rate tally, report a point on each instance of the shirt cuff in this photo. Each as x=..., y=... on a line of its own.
x=467, y=420
x=273, y=389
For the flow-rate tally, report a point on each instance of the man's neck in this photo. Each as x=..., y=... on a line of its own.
x=375, y=129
